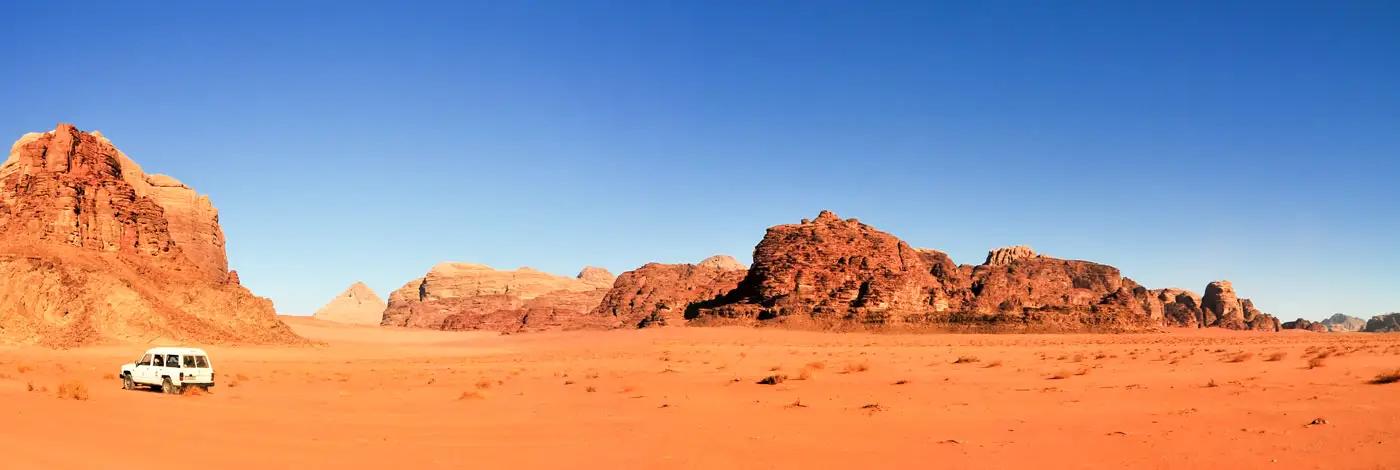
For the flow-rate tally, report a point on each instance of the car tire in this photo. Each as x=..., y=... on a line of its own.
x=167, y=387
x=127, y=383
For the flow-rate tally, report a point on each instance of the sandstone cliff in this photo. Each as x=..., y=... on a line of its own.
x=358, y=305
x=839, y=273
x=658, y=294
x=1384, y=323
x=94, y=249
x=464, y=296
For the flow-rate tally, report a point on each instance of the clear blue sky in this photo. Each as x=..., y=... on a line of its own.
x=1181, y=142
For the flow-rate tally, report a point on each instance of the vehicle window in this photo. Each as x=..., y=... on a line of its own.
x=189, y=361
x=201, y=361
x=172, y=361
x=159, y=361
x=145, y=360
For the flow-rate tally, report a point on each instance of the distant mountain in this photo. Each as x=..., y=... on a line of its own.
x=1340, y=322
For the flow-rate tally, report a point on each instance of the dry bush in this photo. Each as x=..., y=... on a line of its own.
x=1240, y=357
x=30, y=386
x=590, y=389
x=901, y=382
x=1316, y=362
x=996, y=363
x=856, y=367
x=1078, y=358
x=472, y=395
x=1064, y=374
x=1387, y=377
x=966, y=360
x=1275, y=357
x=72, y=390
x=23, y=368
x=483, y=384
x=772, y=380
x=1212, y=384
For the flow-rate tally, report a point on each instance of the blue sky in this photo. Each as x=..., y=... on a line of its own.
x=1181, y=142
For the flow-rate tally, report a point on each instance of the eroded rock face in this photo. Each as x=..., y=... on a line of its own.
x=658, y=294
x=462, y=296
x=93, y=249
x=1383, y=323
x=1303, y=324
x=358, y=305
x=1339, y=322
x=1222, y=308
x=835, y=273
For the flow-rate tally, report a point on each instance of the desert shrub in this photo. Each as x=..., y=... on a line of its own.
x=773, y=380
x=1275, y=357
x=72, y=390
x=1389, y=377
x=966, y=360
x=1240, y=357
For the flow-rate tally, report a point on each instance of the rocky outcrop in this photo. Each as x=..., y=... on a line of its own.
x=1339, y=323
x=659, y=294
x=464, y=296
x=835, y=273
x=1007, y=255
x=94, y=249
x=1176, y=307
x=1222, y=308
x=1302, y=324
x=358, y=305
x=1384, y=323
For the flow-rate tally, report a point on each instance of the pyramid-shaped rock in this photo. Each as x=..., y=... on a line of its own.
x=358, y=305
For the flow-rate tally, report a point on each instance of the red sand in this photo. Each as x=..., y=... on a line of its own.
x=688, y=398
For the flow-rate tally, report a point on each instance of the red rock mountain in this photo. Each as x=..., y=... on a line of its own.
x=657, y=294
x=837, y=274
x=93, y=249
x=464, y=296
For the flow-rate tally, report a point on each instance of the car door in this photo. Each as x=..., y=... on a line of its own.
x=143, y=370
x=172, y=368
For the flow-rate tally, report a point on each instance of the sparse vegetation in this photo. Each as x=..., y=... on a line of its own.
x=1388, y=377
x=996, y=363
x=483, y=384
x=472, y=395
x=856, y=367
x=72, y=390
x=901, y=382
x=1212, y=384
x=590, y=389
x=1240, y=357
x=966, y=360
x=1275, y=357
x=1064, y=374
x=1317, y=361
x=772, y=380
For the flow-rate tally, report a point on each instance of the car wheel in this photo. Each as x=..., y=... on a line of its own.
x=167, y=387
x=127, y=383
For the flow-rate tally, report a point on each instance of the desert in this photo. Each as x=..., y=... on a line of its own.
x=366, y=397
x=700, y=235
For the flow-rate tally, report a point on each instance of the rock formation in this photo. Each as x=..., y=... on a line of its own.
x=658, y=294
x=94, y=249
x=464, y=296
x=1302, y=324
x=835, y=273
x=1383, y=323
x=358, y=305
x=1339, y=322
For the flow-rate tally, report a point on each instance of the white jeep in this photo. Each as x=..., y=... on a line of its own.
x=171, y=369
